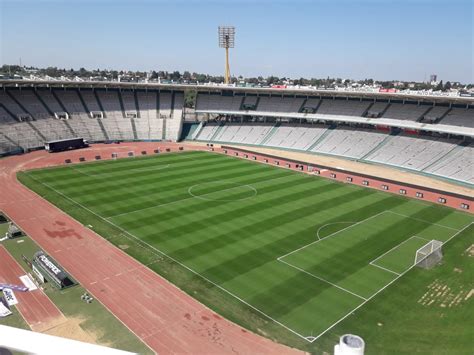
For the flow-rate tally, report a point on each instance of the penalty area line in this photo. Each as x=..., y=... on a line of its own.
x=323, y=280
x=381, y=289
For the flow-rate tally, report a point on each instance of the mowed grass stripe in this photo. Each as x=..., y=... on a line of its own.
x=236, y=244
x=268, y=190
x=180, y=192
x=127, y=172
x=171, y=181
x=348, y=260
x=103, y=195
x=123, y=164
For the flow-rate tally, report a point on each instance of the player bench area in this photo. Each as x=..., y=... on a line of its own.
x=358, y=266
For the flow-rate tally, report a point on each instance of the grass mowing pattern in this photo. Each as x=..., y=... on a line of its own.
x=240, y=230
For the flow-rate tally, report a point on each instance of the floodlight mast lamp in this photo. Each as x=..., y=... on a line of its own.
x=227, y=40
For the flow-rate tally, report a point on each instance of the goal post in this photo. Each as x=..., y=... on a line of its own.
x=429, y=254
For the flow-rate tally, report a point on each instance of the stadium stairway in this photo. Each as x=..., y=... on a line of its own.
x=40, y=99
x=99, y=121
x=380, y=145
x=317, y=107
x=135, y=97
x=300, y=110
x=164, y=127
x=188, y=130
x=19, y=104
x=444, y=115
x=9, y=139
x=36, y=130
x=68, y=126
x=99, y=102
x=134, y=128
x=419, y=119
x=385, y=110
x=173, y=98
x=218, y=130
x=447, y=155
x=322, y=137
x=122, y=107
x=9, y=112
x=59, y=101
x=83, y=102
x=270, y=134
x=367, y=109
x=157, y=105
x=197, y=130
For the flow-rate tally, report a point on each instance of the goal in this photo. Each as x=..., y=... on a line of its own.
x=429, y=254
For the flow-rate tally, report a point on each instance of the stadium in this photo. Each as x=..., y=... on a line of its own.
x=179, y=218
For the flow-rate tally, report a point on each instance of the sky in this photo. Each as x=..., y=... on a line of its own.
x=356, y=39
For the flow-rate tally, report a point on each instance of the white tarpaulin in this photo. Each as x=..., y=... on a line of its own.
x=28, y=283
x=9, y=297
x=4, y=311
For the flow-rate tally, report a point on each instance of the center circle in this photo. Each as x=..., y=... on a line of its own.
x=224, y=191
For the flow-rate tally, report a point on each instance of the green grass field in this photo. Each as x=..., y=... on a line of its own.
x=294, y=257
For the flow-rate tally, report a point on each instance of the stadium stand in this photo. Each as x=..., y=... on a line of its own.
x=31, y=116
x=458, y=165
x=459, y=117
x=412, y=152
x=350, y=142
x=148, y=125
x=280, y=104
x=407, y=111
x=311, y=105
x=435, y=114
x=50, y=101
x=377, y=109
x=10, y=106
x=343, y=107
x=174, y=122
x=243, y=134
x=30, y=103
x=218, y=103
x=116, y=126
x=295, y=137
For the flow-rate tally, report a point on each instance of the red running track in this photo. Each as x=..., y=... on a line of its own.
x=36, y=308
x=165, y=318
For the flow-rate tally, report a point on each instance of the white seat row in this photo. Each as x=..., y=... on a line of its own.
x=412, y=152
x=349, y=142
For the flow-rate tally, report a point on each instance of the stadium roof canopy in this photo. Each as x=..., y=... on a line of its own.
x=303, y=91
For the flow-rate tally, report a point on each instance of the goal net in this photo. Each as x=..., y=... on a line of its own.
x=429, y=254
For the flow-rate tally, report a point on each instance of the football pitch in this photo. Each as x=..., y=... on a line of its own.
x=300, y=251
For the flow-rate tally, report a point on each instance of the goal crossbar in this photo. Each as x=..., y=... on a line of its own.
x=429, y=254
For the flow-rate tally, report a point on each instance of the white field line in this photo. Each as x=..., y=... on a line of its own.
x=385, y=269
x=140, y=338
x=114, y=172
x=339, y=231
x=138, y=240
x=383, y=288
x=323, y=280
x=309, y=339
x=188, y=198
x=395, y=247
x=329, y=224
x=422, y=220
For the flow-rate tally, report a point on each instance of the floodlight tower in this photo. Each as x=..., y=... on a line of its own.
x=226, y=40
